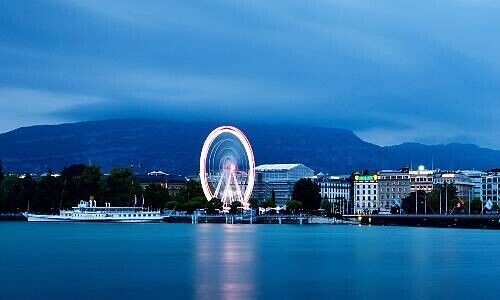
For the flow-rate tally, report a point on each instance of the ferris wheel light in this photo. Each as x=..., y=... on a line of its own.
x=228, y=176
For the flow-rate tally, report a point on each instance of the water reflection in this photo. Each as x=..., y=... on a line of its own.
x=225, y=261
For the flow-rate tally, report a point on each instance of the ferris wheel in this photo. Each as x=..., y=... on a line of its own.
x=227, y=166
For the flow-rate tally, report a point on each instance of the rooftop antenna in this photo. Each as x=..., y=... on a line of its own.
x=432, y=164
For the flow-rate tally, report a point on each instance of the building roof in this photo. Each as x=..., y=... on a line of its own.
x=278, y=167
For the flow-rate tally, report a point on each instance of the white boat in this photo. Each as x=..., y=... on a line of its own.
x=87, y=211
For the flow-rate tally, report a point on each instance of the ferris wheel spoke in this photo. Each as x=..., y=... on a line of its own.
x=238, y=189
x=217, y=190
x=227, y=191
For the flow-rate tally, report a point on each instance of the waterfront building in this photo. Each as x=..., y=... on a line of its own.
x=280, y=179
x=476, y=177
x=365, y=193
x=461, y=181
x=336, y=189
x=491, y=187
x=421, y=179
x=392, y=186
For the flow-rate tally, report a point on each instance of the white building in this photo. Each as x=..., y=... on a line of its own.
x=336, y=189
x=491, y=187
x=421, y=179
x=365, y=193
x=476, y=177
x=461, y=181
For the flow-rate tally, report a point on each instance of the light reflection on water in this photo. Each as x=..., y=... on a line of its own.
x=225, y=259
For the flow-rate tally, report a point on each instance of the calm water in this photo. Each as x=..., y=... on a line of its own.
x=184, y=261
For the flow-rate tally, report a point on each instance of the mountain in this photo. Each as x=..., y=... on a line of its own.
x=175, y=147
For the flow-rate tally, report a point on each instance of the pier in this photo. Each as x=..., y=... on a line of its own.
x=454, y=221
x=12, y=217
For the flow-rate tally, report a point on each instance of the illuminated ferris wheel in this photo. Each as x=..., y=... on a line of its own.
x=227, y=166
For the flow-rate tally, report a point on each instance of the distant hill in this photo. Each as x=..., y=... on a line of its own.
x=175, y=147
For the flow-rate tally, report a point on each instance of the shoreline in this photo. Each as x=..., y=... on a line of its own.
x=430, y=221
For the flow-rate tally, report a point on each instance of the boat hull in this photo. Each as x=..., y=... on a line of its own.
x=57, y=218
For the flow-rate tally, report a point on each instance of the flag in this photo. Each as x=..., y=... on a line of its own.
x=489, y=205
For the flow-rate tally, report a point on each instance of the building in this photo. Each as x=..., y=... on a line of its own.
x=421, y=179
x=477, y=180
x=461, y=181
x=365, y=190
x=172, y=183
x=491, y=187
x=279, y=178
x=336, y=189
x=392, y=187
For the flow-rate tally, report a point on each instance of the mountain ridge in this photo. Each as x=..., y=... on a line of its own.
x=175, y=146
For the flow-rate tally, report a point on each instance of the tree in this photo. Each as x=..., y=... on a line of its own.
x=308, y=192
x=293, y=206
x=327, y=206
x=120, y=187
x=183, y=200
x=439, y=193
x=2, y=175
x=235, y=207
x=408, y=203
x=71, y=190
x=28, y=193
x=254, y=203
x=193, y=189
x=194, y=204
x=48, y=194
x=269, y=203
x=156, y=196
x=89, y=181
x=11, y=188
x=214, y=206
x=476, y=206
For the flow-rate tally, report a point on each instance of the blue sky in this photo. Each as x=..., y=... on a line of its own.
x=392, y=71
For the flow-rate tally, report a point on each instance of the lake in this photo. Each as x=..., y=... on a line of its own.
x=219, y=261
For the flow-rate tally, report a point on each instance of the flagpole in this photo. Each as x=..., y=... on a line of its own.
x=440, y=201
x=446, y=199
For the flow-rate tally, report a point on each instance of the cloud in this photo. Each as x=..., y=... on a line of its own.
x=391, y=71
x=24, y=107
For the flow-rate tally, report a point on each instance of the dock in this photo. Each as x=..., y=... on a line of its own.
x=454, y=221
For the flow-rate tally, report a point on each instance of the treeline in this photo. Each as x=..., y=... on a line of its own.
x=80, y=182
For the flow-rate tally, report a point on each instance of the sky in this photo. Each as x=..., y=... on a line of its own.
x=391, y=71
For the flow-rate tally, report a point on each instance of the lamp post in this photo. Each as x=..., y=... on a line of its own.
x=440, y=202
x=425, y=204
x=416, y=202
x=470, y=199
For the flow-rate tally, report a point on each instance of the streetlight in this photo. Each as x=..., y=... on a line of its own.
x=416, y=202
